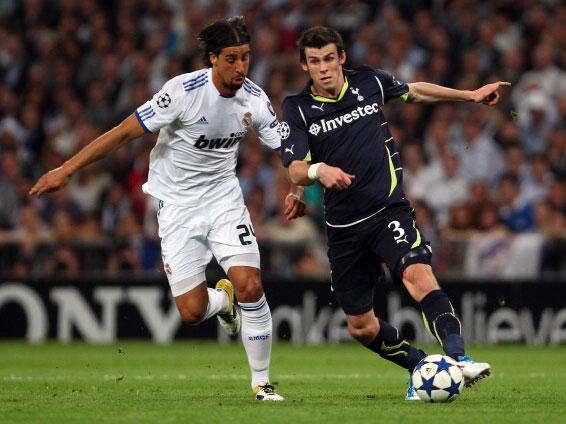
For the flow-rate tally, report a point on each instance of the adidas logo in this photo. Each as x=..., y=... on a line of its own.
x=202, y=120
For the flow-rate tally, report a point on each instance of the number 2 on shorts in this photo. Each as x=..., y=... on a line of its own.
x=245, y=233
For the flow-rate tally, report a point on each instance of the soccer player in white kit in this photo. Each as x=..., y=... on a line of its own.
x=201, y=118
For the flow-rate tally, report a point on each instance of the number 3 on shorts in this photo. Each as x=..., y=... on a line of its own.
x=398, y=232
x=245, y=232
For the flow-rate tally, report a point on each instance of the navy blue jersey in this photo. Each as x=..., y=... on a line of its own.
x=352, y=134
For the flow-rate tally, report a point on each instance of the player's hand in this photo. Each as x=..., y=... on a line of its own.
x=51, y=181
x=295, y=204
x=334, y=178
x=488, y=94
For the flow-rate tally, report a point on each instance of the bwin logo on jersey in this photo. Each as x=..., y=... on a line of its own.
x=219, y=143
x=347, y=118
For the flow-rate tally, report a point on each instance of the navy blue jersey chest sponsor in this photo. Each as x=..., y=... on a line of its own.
x=343, y=118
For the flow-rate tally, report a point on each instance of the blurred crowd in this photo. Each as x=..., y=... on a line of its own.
x=70, y=70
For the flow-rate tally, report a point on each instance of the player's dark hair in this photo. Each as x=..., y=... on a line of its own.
x=318, y=37
x=220, y=34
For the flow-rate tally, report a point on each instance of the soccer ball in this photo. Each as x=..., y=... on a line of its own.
x=437, y=378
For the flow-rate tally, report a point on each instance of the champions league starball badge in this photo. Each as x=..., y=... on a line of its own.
x=164, y=100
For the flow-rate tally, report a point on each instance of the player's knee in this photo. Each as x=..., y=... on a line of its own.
x=192, y=315
x=248, y=289
x=420, y=278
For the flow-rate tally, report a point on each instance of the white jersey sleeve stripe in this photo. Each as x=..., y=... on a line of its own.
x=194, y=80
x=140, y=120
x=195, y=83
x=193, y=87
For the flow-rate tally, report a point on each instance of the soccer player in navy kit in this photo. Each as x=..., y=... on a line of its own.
x=335, y=132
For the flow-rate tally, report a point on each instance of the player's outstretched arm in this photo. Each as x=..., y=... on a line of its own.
x=331, y=177
x=127, y=130
x=424, y=92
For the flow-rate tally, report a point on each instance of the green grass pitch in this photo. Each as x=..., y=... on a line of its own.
x=205, y=382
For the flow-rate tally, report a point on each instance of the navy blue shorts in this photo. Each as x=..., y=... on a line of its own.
x=357, y=252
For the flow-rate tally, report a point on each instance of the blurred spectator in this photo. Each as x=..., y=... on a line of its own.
x=87, y=188
x=460, y=224
x=448, y=189
x=487, y=219
x=515, y=213
x=536, y=117
x=536, y=184
x=9, y=177
x=115, y=205
x=299, y=237
x=479, y=156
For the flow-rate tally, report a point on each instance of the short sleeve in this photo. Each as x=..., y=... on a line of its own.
x=392, y=88
x=164, y=108
x=266, y=125
x=294, y=136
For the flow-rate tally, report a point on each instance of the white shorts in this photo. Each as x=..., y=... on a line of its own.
x=190, y=236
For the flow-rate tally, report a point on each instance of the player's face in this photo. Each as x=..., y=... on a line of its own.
x=325, y=69
x=230, y=68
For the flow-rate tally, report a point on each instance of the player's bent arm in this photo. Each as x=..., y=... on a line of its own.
x=424, y=92
x=331, y=177
x=298, y=173
x=127, y=130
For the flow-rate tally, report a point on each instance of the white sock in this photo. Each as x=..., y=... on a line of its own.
x=256, y=336
x=217, y=303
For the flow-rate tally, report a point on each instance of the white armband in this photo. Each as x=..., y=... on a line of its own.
x=312, y=171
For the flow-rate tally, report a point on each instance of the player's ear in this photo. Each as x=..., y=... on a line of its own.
x=304, y=66
x=213, y=58
x=343, y=57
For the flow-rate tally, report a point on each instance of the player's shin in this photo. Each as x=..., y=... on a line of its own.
x=441, y=321
x=391, y=346
x=256, y=337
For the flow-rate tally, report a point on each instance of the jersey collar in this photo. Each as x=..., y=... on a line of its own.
x=337, y=99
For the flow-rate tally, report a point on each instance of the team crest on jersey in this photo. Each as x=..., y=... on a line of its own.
x=164, y=100
x=284, y=130
x=167, y=268
x=247, y=119
x=356, y=92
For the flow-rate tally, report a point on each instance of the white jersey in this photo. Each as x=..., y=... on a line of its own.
x=199, y=134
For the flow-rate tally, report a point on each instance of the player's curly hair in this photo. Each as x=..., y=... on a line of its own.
x=318, y=37
x=220, y=34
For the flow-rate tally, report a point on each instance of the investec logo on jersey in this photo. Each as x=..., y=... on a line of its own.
x=219, y=143
x=347, y=118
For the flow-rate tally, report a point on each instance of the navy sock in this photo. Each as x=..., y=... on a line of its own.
x=391, y=346
x=441, y=321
